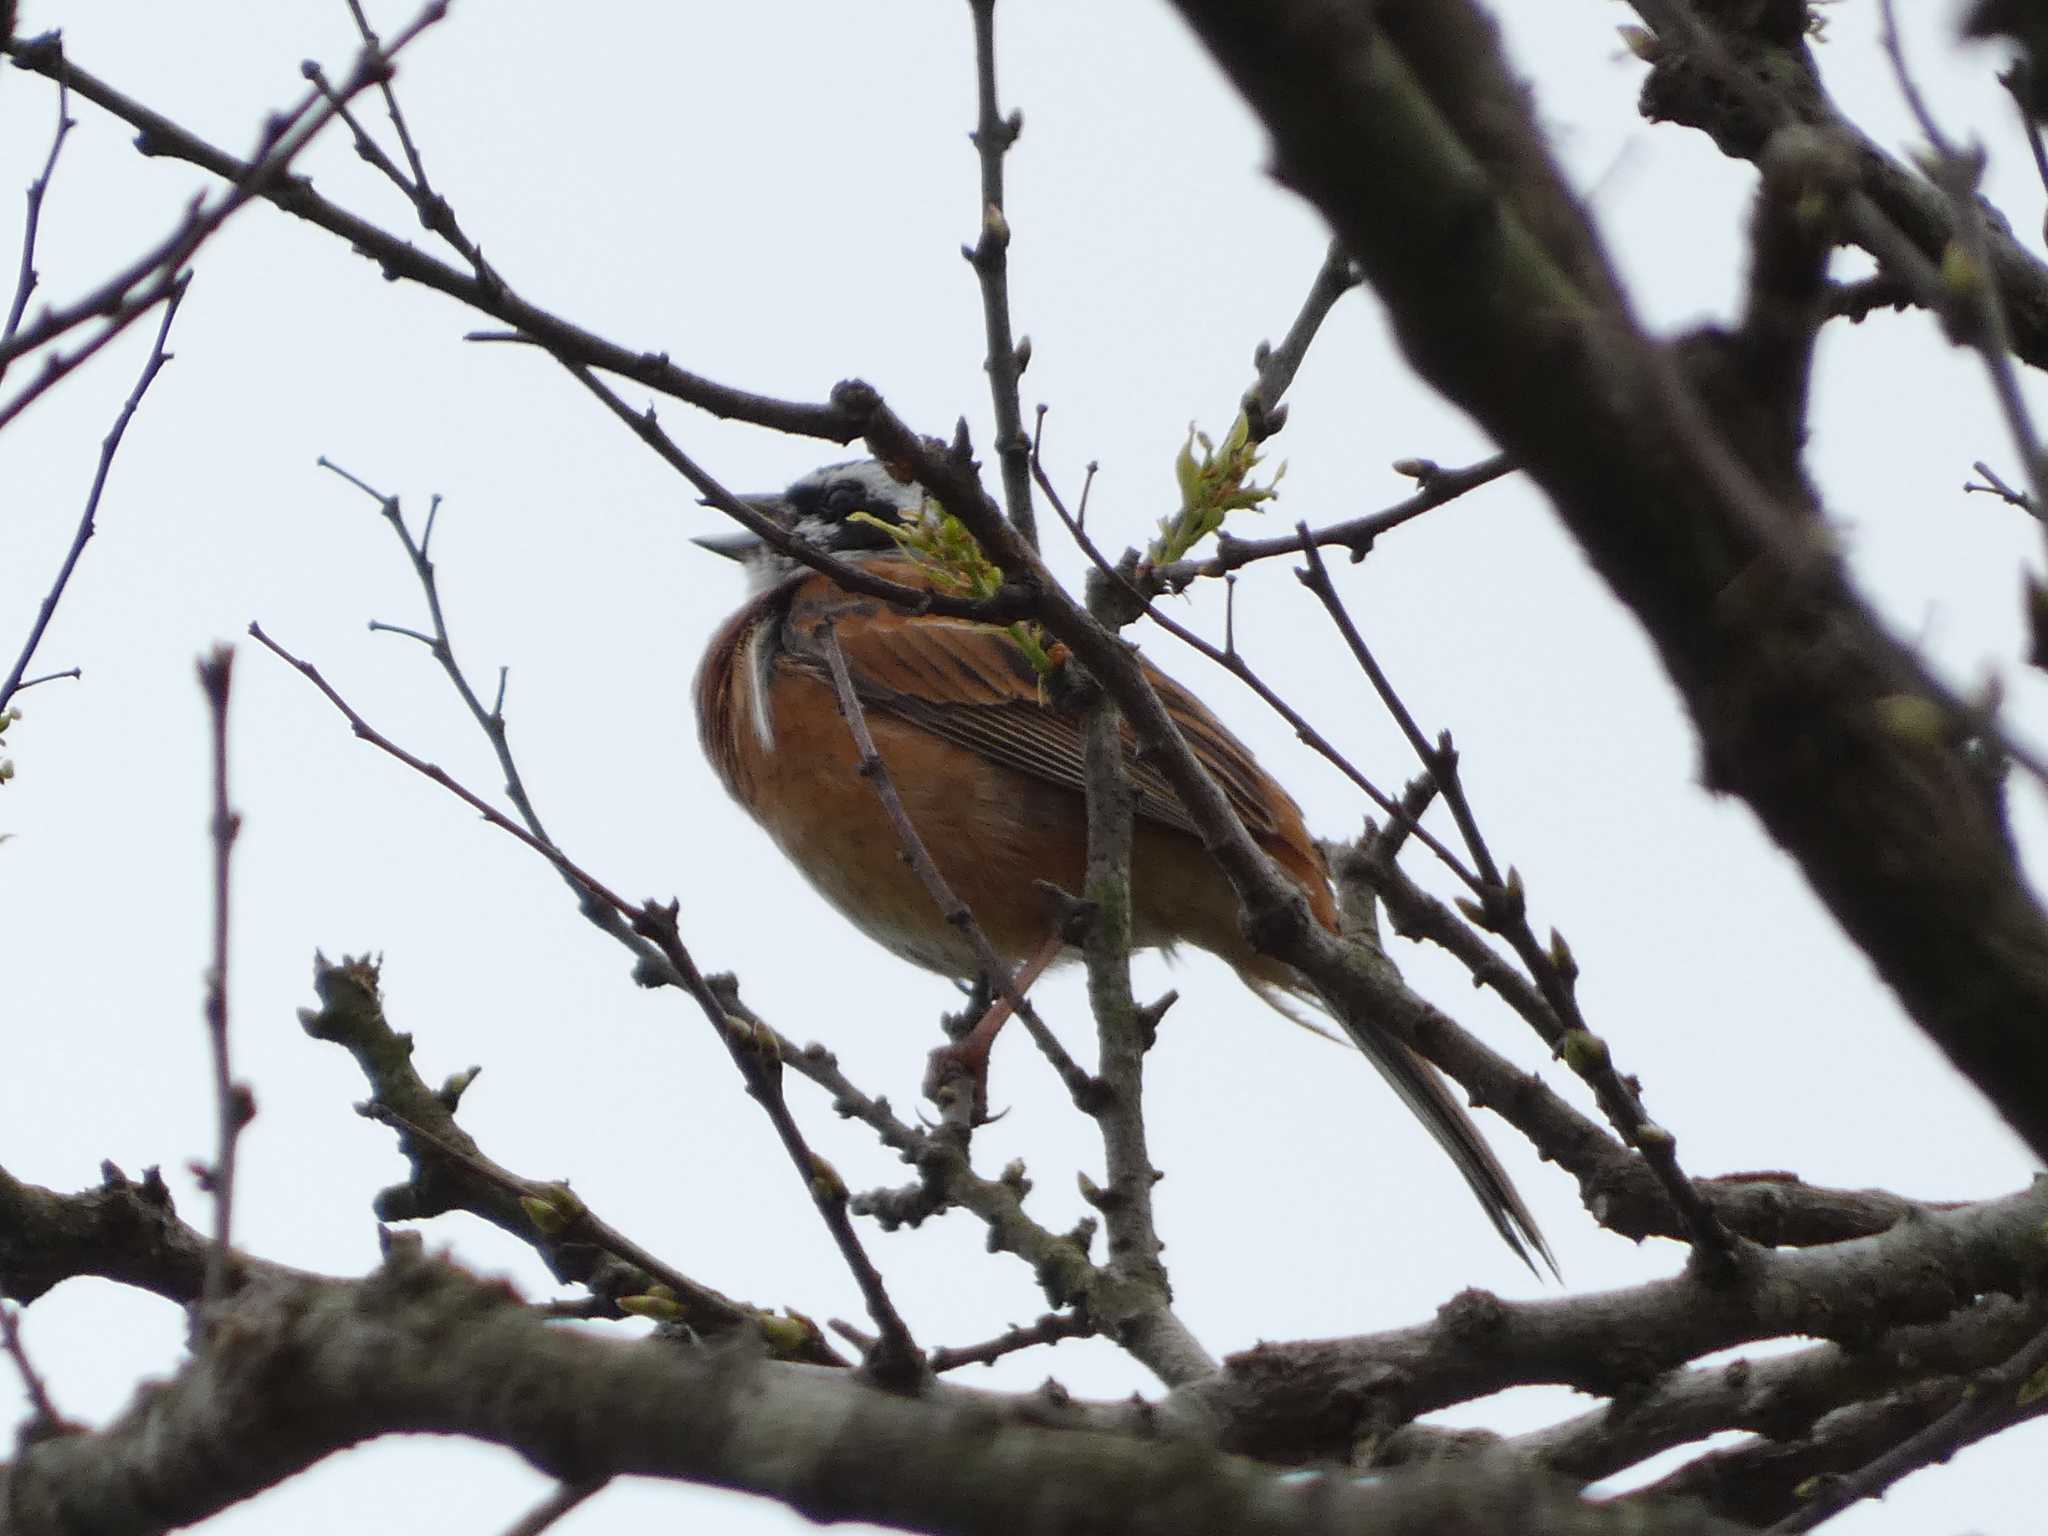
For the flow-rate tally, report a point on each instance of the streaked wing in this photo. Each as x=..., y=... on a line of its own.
x=971, y=685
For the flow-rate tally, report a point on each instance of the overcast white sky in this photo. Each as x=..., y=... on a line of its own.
x=775, y=195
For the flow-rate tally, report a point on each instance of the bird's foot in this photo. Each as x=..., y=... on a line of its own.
x=956, y=1080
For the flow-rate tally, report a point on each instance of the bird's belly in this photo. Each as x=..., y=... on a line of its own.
x=993, y=832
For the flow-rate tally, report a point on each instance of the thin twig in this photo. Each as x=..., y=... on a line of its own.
x=398, y=258
x=566, y=1496
x=156, y=277
x=127, y=293
x=947, y=1177
x=555, y=1218
x=27, y=278
x=1124, y=1033
x=450, y=1172
x=849, y=576
x=1049, y=1329
x=1502, y=908
x=1996, y=486
x=1233, y=662
x=109, y=445
x=1437, y=486
x=993, y=137
x=490, y=718
x=1685, y=1406
x=45, y=1419
x=1989, y=1396
x=896, y=1363
x=955, y=911
x=1277, y=366
x=48, y=677
x=435, y=212
x=2017, y=79
x=1957, y=174
x=1855, y=300
x=233, y=1105
x=412, y=155
x=1416, y=914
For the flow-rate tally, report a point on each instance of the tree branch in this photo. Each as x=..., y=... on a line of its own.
x=420, y=1347
x=1430, y=169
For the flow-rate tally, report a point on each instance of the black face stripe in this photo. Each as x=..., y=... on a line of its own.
x=822, y=507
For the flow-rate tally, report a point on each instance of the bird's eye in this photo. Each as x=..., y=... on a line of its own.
x=844, y=496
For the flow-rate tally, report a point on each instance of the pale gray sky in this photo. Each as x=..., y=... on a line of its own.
x=775, y=195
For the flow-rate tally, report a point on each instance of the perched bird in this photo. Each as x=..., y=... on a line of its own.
x=990, y=774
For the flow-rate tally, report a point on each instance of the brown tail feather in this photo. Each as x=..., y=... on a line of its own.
x=1423, y=1089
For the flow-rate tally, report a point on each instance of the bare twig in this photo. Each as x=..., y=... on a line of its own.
x=2017, y=80
x=1502, y=908
x=1078, y=1082
x=567, y=1496
x=412, y=155
x=1049, y=1329
x=435, y=212
x=849, y=576
x=1233, y=662
x=490, y=718
x=946, y=1177
x=1436, y=487
x=1783, y=1395
x=27, y=278
x=86, y=524
x=450, y=1172
x=1274, y=913
x=1264, y=412
x=1990, y=1397
x=1855, y=300
x=1957, y=172
x=48, y=677
x=993, y=137
x=157, y=275
x=234, y=1107
x=1124, y=1032
x=129, y=293
x=896, y=1362
x=1994, y=485
x=46, y=1420
x=399, y=258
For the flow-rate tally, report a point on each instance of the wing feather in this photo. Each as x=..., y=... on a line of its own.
x=972, y=685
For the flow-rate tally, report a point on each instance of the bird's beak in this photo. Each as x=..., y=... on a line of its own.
x=741, y=544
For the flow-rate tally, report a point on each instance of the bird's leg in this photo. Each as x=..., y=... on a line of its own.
x=975, y=999
x=967, y=1057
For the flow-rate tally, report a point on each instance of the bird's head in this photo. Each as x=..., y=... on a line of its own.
x=820, y=509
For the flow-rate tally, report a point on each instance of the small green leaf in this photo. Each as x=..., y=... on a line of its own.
x=1213, y=484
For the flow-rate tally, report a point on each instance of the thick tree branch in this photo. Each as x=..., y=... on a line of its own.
x=1305, y=1400
x=125, y=1231
x=1781, y=1398
x=1739, y=72
x=418, y=1346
